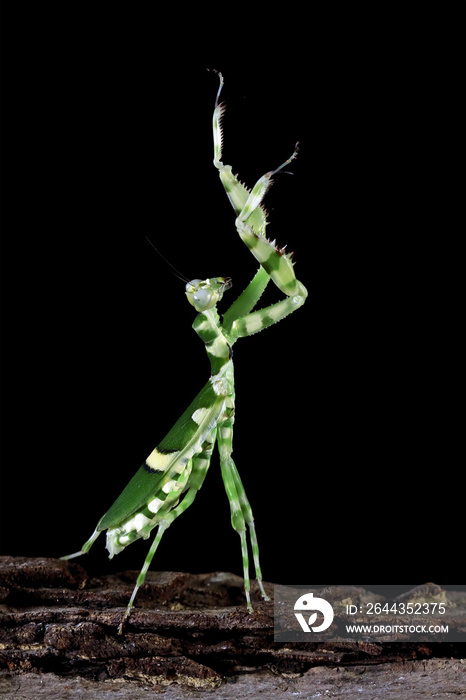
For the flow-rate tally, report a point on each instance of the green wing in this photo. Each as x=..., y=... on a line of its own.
x=169, y=458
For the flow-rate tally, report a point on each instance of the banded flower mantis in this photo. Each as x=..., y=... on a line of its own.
x=167, y=483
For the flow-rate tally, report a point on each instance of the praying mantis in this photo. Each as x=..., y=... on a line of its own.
x=167, y=483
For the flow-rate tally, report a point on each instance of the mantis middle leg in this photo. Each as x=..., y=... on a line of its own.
x=241, y=512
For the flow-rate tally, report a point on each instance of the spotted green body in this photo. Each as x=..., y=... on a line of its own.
x=167, y=483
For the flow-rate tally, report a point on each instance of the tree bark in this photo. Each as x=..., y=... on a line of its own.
x=192, y=630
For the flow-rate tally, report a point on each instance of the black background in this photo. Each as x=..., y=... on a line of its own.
x=346, y=412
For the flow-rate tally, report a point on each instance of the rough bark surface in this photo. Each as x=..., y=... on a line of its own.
x=189, y=636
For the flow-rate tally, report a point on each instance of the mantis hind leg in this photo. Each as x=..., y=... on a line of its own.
x=200, y=466
x=85, y=548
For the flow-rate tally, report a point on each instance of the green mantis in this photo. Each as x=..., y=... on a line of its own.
x=167, y=483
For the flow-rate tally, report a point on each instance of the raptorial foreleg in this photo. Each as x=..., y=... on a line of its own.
x=251, y=218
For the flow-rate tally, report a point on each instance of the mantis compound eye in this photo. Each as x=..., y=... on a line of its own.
x=204, y=299
x=201, y=295
x=205, y=294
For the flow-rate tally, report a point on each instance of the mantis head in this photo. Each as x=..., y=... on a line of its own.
x=205, y=294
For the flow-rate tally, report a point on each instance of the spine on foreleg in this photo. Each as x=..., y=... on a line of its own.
x=276, y=262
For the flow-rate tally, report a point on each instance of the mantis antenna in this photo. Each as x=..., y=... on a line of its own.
x=176, y=272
